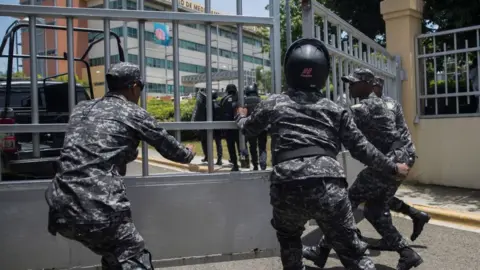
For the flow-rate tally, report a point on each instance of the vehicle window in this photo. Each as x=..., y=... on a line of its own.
x=20, y=96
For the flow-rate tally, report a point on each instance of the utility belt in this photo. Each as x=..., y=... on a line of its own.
x=302, y=153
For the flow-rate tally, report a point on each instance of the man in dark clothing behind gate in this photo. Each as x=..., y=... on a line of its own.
x=228, y=105
x=307, y=182
x=377, y=122
x=418, y=217
x=252, y=99
x=87, y=197
x=217, y=133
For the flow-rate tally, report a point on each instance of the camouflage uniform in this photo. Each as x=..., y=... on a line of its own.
x=252, y=99
x=313, y=187
x=87, y=198
x=377, y=121
x=419, y=218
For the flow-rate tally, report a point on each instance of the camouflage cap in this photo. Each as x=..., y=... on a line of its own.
x=360, y=75
x=122, y=75
x=379, y=81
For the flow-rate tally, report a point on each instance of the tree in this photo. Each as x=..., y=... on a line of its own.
x=263, y=78
x=365, y=16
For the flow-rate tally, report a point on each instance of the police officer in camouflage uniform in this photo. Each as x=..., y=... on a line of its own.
x=307, y=182
x=252, y=99
x=419, y=218
x=87, y=198
x=377, y=121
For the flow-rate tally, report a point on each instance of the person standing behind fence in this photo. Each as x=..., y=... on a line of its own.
x=217, y=133
x=87, y=198
x=307, y=182
x=252, y=99
x=228, y=105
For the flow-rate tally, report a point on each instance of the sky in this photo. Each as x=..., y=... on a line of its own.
x=250, y=7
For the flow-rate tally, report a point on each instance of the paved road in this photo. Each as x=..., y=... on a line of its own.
x=135, y=169
x=442, y=248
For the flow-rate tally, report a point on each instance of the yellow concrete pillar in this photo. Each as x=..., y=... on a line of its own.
x=403, y=22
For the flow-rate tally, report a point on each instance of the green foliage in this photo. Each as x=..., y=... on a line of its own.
x=64, y=78
x=450, y=86
x=164, y=111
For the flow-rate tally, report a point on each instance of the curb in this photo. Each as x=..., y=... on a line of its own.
x=447, y=215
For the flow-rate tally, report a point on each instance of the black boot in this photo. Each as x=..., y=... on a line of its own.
x=408, y=259
x=255, y=167
x=204, y=159
x=263, y=167
x=380, y=245
x=419, y=219
x=219, y=162
x=318, y=255
x=235, y=168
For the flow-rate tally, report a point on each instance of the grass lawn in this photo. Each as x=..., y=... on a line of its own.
x=226, y=156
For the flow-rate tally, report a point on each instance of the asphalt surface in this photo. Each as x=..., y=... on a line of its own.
x=135, y=169
x=442, y=248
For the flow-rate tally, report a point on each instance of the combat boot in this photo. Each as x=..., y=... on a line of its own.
x=380, y=245
x=235, y=168
x=408, y=259
x=263, y=167
x=318, y=255
x=255, y=167
x=204, y=159
x=219, y=162
x=419, y=219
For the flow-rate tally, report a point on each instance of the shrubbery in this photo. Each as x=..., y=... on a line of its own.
x=164, y=112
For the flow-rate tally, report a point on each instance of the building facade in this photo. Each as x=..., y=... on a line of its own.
x=159, y=59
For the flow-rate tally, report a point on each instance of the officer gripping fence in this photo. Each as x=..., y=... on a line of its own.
x=307, y=182
x=87, y=197
x=377, y=121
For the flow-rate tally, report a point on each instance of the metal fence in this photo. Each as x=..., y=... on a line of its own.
x=350, y=49
x=448, y=73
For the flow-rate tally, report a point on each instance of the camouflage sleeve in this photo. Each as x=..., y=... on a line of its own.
x=150, y=131
x=359, y=147
x=403, y=129
x=257, y=122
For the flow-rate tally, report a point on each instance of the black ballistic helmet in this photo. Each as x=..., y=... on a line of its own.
x=306, y=65
x=251, y=90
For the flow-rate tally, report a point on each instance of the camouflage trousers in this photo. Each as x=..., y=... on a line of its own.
x=119, y=243
x=326, y=201
x=377, y=191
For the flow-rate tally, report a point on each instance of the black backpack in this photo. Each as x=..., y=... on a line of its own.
x=228, y=105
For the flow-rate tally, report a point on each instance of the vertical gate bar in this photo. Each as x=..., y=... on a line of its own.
x=397, y=81
x=125, y=31
x=445, y=70
x=435, y=75
x=208, y=64
x=143, y=71
x=289, y=23
x=272, y=54
x=335, y=80
x=241, y=72
x=277, y=44
x=478, y=65
x=176, y=72
x=308, y=20
x=325, y=30
x=106, y=43
x=425, y=75
x=456, y=74
x=33, y=80
x=70, y=61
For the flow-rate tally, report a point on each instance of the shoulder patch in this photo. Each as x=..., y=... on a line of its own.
x=390, y=105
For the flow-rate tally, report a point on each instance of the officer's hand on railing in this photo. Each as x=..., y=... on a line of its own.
x=242, y=111
x=191, y=147
x=402, y=169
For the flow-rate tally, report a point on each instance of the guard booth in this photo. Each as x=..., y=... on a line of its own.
x=185, y=218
